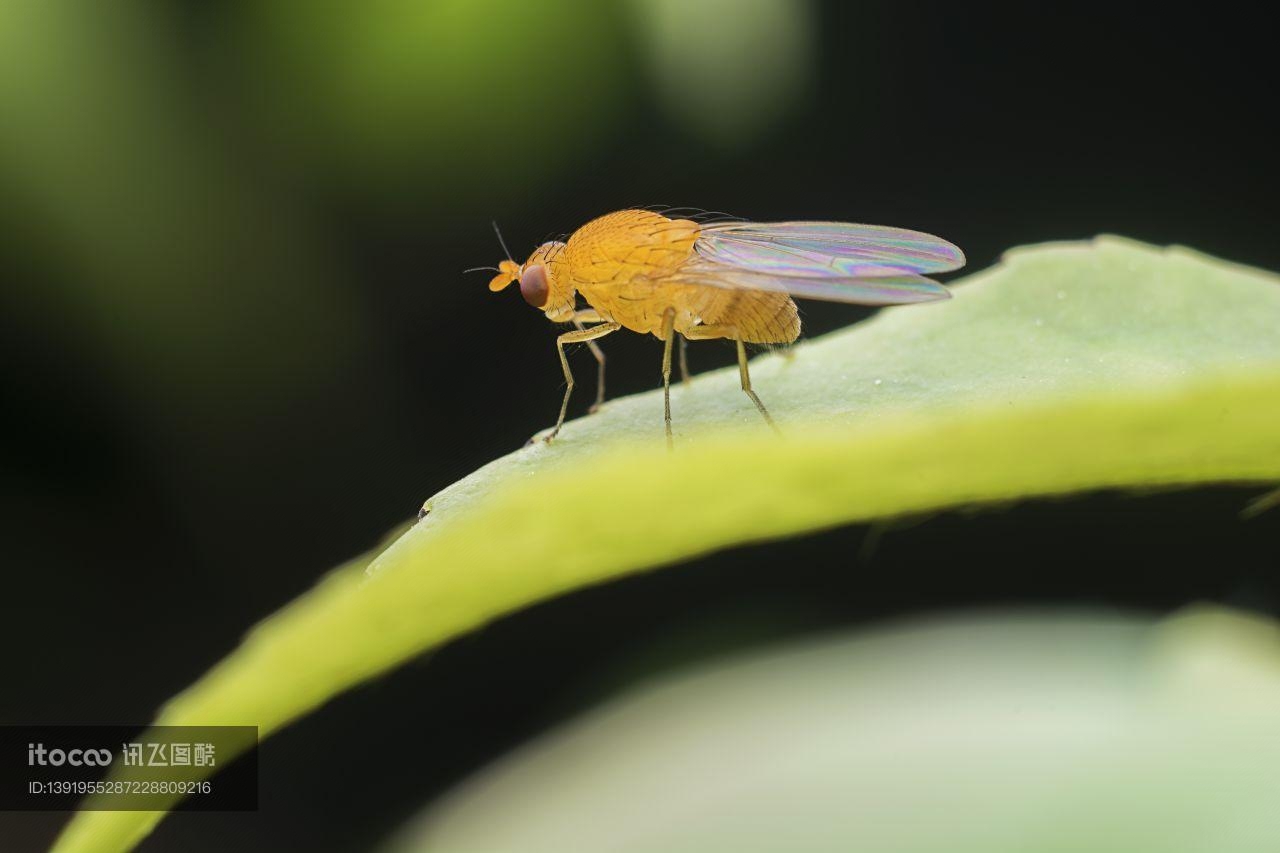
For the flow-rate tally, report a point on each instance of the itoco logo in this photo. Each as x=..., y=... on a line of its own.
x=37, y=754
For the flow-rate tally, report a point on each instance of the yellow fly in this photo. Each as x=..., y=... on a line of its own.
x=654, y=274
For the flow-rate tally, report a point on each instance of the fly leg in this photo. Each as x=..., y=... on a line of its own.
x=710, y=331
x=745, y=376
x=577, y=336
x=590, y=316
x=685, y=379
x=668, y=333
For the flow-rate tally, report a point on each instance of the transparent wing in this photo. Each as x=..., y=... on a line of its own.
x=878, y=290
x=825, y=250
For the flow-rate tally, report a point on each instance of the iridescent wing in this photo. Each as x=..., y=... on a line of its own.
x=826, y=249
x=881, y=290
x=838, y=261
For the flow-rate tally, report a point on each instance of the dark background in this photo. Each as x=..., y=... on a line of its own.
x=238, y=347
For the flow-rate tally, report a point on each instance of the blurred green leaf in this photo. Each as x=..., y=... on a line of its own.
x=1056, y=733
x=1067, y=367
x=728, y=69
x=442, y=94
x=185, y=282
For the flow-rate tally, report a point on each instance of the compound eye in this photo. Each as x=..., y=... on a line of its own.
x=533, y=285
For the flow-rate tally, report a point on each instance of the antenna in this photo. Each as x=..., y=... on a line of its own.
x=501, y=242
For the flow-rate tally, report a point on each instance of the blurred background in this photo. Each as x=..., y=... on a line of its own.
x=238, y=346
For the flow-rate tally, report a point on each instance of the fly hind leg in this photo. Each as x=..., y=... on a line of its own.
x=745, y=376
x=668, y=334
x=711, y=331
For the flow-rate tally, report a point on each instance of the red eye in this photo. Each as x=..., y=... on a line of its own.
x=533, y=285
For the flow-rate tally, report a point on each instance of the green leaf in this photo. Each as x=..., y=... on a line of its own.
x=1066, y=368
x=1052, y=732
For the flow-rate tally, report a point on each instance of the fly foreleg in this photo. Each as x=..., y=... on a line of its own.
x=589, y=315
x=577, y=336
